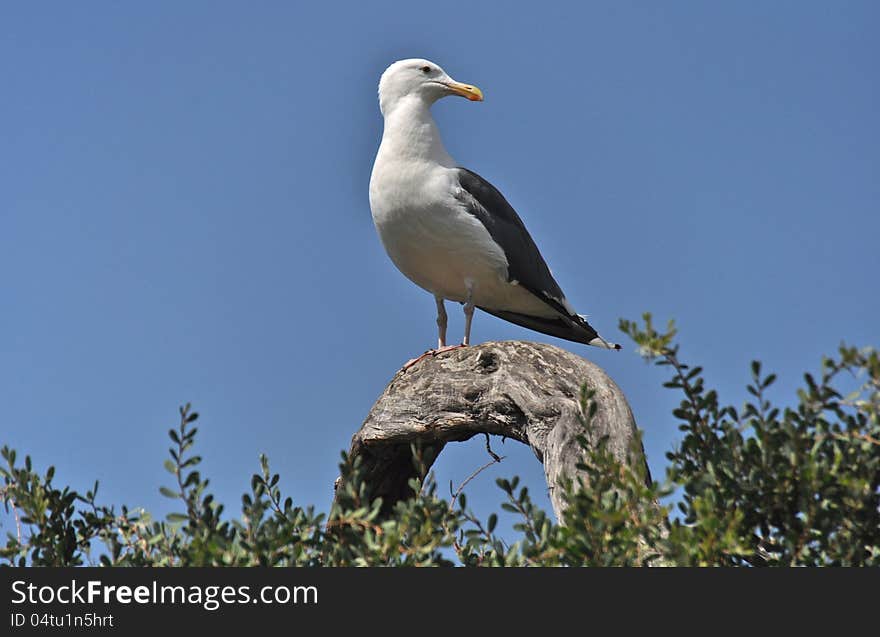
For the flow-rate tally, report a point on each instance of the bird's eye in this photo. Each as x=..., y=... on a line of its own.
x=426, y=69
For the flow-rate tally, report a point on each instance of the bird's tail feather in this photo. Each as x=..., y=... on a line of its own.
x=573, y=328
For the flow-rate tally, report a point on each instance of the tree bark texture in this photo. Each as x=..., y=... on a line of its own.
x=526, y=391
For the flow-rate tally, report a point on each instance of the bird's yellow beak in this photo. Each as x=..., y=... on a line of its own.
x=466, y=90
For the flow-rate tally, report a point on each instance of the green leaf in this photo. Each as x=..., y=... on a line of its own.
x=168, y=493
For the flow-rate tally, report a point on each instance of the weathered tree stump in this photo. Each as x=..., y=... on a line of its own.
x=529, y=392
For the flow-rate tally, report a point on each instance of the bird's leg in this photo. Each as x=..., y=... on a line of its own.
x=468, y=314
x=441, y=326
x=441, y=322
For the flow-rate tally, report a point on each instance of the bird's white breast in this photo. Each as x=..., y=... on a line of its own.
x=429, y=236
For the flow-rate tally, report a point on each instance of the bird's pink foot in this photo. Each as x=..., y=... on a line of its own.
x=415, y=360
x=447, y=348
x=430, y=352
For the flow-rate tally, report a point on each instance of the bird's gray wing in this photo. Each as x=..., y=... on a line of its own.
x=526, y=266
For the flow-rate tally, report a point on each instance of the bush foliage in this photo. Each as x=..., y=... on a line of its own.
x=755, y=486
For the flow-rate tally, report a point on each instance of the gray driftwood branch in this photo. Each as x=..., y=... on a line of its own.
x=525, y=391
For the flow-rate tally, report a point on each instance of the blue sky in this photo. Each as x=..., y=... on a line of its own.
x=184, y=213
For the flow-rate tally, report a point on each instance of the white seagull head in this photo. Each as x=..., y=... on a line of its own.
x=418, y=79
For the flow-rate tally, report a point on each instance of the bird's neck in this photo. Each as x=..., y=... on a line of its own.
x=411, y=133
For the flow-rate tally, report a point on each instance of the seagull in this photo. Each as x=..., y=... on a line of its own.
x=450, y=231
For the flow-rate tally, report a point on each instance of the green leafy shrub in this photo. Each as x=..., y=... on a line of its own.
x=760, y=485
